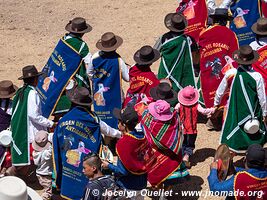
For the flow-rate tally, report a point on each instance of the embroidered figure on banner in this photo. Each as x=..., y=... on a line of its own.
x=48, y=80
x=216, y=66
x=239, y=19
x=99, y=95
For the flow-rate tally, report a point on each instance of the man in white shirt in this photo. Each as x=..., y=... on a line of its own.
x=26, y=119
x=247, y=101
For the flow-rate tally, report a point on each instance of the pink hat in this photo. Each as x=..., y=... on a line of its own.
x=188, y=96
x=160, y=110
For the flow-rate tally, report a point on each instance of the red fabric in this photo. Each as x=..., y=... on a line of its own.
x=188, y=116
x=261, y=65
x=163, y=167
x=196, y=19
x=142, y=79
x=263, y=8
x=134, y=153
x=217, y=44
x=249, y=183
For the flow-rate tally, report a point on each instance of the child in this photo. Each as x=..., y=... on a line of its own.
x=188, y=109
x=42, y=156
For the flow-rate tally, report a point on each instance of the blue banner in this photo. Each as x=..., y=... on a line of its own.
x=63, y=63
x=107, y=87
x=77, y=134
x=246, y=13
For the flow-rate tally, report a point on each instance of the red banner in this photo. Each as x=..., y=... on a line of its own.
x=261, y=65
x=246, y=186
x=217, y=44
x=263, y=8
x=196, y=14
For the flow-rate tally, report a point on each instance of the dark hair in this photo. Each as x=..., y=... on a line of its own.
x=131, y=125
x=220, y=21
x=93, y=159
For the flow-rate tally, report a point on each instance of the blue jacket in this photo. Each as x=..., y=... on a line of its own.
x=126, y=179
x=228, y=185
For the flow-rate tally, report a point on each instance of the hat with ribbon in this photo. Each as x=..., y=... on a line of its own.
x=245, y=55
x=29, y=71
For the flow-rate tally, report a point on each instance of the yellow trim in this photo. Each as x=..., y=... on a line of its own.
x=70, y=46
x=244, y=172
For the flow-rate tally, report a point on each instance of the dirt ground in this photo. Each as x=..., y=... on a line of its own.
x=29, y=31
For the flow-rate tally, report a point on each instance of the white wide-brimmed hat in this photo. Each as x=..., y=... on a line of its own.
x=14, y=188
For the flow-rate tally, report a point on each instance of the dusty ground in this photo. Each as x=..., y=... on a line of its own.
x=29, y=30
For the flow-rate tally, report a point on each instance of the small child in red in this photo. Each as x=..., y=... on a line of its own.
x=188, y=108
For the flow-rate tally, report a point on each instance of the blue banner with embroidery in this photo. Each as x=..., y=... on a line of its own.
x=107, y=86
x=62, y=65
x=245, y=13
x=77, y=134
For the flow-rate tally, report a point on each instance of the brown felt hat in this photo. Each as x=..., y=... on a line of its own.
x=260, y=27
x=175, y=22
x=245, y=55
x=80, y=96
x=7, y=89
x=146, y=55
x=109, y=42
x=29, y=71
x=78, y=25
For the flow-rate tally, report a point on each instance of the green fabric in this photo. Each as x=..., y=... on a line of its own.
x=81, y=77
x=177, y=56
x=19, y=127
x=238, y=110
x=63, y=105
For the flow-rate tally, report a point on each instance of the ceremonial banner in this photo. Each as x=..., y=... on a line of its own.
x=196, y=13
x=62, y=65
x=243, y=105
x=107, y=87
x=142, y=79
x=135, y=153
x=217, y=43
x=176, y=63
x=245, y=13
x=77, y=134
x=261, y=65
x=251, y=186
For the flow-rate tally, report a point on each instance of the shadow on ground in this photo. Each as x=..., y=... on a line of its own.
x=201, y=155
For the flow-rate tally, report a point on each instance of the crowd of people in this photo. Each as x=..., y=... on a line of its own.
x=210, y=63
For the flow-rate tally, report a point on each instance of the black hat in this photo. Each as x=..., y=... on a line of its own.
x=109, y=42
x=175, y=22
x=78, y=25
x=146, y=55
x=163, y=91
x=255, y=156
x=29, y=71
x=260, y=27
x=127, y=115
x=245, y=55
x=221, y=13
x=80, y=96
